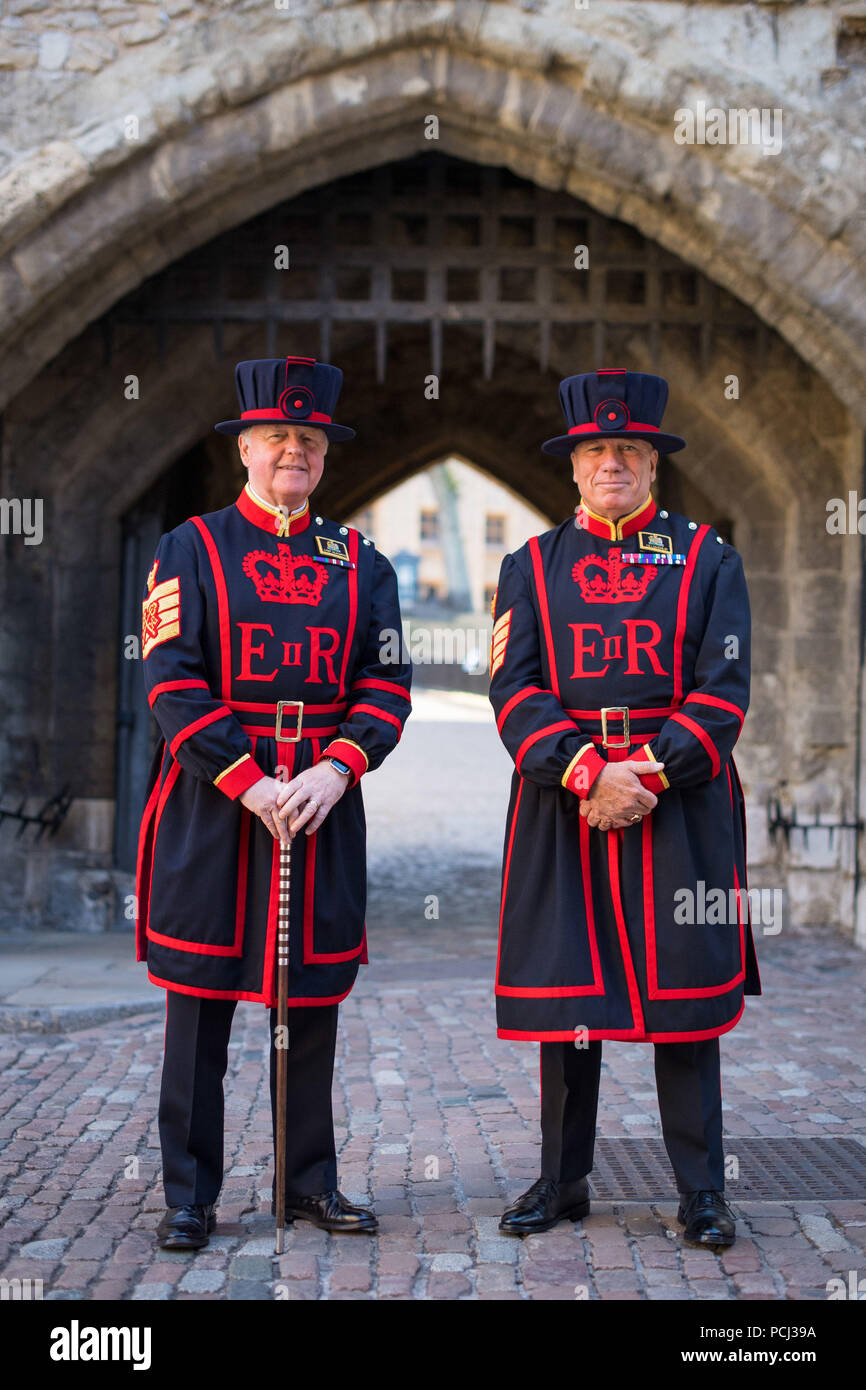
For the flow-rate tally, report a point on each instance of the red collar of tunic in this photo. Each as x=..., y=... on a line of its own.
x=271, y=519
x=609, y=530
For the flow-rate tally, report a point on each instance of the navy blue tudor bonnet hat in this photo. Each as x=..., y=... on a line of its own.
x=613, y=403
x=287, y=390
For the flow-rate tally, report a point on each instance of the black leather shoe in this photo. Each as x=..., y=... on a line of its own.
x=330, y=1211
x=186, y=1228
x=544, y=1204
x=708, y=1219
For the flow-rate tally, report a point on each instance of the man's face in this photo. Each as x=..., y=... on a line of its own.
x=285, y=462
x=614, y=475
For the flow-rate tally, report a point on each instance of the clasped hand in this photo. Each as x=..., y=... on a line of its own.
x=617, y=798
x=284, y=808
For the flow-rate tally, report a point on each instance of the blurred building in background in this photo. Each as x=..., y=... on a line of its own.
x=446, y=530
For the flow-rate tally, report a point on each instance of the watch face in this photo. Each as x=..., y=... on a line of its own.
x=340, y=766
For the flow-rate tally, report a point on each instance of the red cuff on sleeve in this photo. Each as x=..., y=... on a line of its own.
x=582, y=771
x=239, y=777
x=349, y=753
x=655, y=782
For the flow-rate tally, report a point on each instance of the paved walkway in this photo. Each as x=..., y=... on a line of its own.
x=437, y=1120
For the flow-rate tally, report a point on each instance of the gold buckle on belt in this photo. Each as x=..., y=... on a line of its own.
x=278, y=731
x=614, y=709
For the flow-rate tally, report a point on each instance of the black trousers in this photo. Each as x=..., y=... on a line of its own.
x=191, y=1106
x=688, y=1082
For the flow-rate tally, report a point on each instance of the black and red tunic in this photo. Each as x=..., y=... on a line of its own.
x=246, y=608
x=642, y=933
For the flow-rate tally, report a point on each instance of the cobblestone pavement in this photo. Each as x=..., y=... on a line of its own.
x=437, y=1119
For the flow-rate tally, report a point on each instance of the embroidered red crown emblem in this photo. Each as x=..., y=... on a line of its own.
x=612, y=582
x=288, y=578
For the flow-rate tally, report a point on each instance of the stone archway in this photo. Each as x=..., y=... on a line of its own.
x=751, y=462
x=584, y=103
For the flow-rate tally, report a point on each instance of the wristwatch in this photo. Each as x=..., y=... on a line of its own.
x=340, y=766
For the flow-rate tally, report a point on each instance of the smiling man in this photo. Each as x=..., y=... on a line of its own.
x=262, y=662
x=620, y=681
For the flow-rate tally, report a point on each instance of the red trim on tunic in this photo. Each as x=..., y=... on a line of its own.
x=198, y=948
x=189, y=729
x=311, y=956
x=621, y=1034
x=728, y=767
x=222, y=605
x=618, y=753
x=598, y=983
x=233, y=784
x=615, y=836
x=561, y=727
x=143, y=905
x=353, y=609
x=309, y=892
x=335, y=957
x=541, y=591
x=555, y=991
x=347, y=753
x=267, y=730
x=260, y=516
x=270, y=707
x=244, y=837
x=731, y=765
x=653, y=782
x=703, y=737
x=164, y=793
x=660, y=712
x=717, y=702
x=683, y=608
x=546, y=991
x=654, y=989
x=591, y=768
x=515, y=700
x=369, y=683
x=377, y=713
x=505, y=870
x=742, y=926
x=601, y=526
x=174, y=685
x=296, y=1003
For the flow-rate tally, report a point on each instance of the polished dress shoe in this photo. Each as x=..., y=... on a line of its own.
x=186, y=1228
x=330, y=1211
x=707, y=1217
x=545, y=1203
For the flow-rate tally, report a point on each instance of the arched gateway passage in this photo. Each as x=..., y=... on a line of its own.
x=420, y=268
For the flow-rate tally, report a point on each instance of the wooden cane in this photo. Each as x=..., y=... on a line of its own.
x=281, y=1034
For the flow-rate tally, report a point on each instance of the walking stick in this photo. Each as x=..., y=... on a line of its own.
x=281, y=1033
x=282, y=1029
